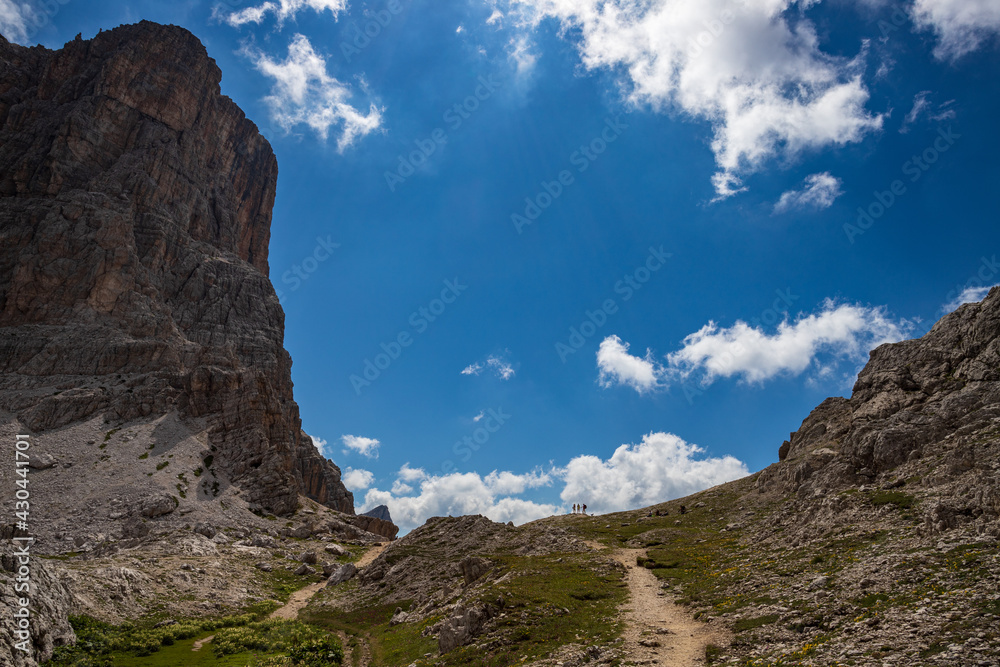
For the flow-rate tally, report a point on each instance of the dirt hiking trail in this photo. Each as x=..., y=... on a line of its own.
x=657, y=631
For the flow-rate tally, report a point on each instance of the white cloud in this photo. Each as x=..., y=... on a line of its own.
x=849, y=331
x=617, y=366
x=920, y=104
x=968, y=295
x=15, y=18
x=304, y=94
x=660, y=468
x=507, y=483
x=501, y=367
x=364, y=446
x=321, y=445
x=477, y=418
x=401, y=488
x=960, y=25
x=496, y=18
x=497, y=363
x=457, y=494
x=408, y=474
x=284, y=10
x=819, y=191
x=754, y=70
x=520, y=53
x=357, y=479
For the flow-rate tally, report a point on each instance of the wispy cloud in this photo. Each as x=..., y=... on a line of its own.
x=920, y=105
x=305, y=94
x=15, y=19
x=364, y=446
x=818, y=192
x=968, y=295
x=496, y=363
x=282, y=10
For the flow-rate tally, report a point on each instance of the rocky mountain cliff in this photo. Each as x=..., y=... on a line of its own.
x=135, y=212
x=924, y=410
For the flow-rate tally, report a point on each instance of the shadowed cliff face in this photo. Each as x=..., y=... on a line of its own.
x=135, y=212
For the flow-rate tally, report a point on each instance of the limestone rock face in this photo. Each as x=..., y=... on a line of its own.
x=934, y=399
x=135, y=211
x=51, y=603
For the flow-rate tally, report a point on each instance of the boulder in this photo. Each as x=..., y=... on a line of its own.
x=342, y=574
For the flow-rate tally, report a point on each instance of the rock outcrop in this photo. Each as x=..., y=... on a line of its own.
x=380, y=512
x=377, y=526
x=927, y=410
x=51, y=602
x=135, y=211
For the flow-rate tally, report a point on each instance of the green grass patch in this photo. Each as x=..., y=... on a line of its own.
x=745, y=624
x=162, y=465
x=872, y=600
x=897, y=498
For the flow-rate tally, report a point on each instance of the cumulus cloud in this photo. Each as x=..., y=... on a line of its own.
x=970, y=294
x=458, y=494
x=357, y=479
x=284, y=10
x=747, y=352
x=16, y=19
x=617, y=366
x=961, y=26
x=754, y=70
x=364, y=446
x=818, y=191
x=660, y=468
x=305, y=94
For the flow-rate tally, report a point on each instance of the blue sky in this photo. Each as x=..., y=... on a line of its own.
x=607, y=253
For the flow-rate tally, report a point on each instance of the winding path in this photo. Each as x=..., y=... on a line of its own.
x=657, y=631
x=300, y=598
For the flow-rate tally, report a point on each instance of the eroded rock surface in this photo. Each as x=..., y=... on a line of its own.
x=135, y=212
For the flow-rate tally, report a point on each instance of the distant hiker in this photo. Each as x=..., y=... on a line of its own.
x=683, y=509
x=574, y=508
x=584, y=509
